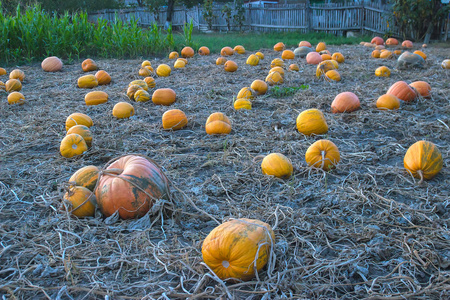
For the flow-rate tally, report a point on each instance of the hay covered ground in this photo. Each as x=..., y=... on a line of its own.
x=364, y=230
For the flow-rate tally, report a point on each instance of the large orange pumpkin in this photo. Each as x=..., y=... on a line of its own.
x=17, y=74
x=345, y=102
x=226, y=51
x=238, y=249
x=322, y=154
x=131, y=185
x=311, y=121
x=279, y=47
x=187, y=52
x=377, y=41
x=422, y=88
x=423, y=160
x=392, y=42
x=313, y=58
x=165, y=96
x=203, y=50
x=230, y=66
x=402, y=91
x=259, y=86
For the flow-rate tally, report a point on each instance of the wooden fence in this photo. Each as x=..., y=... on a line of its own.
x=337, y=19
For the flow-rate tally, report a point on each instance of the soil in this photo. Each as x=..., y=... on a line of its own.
x=366, y=229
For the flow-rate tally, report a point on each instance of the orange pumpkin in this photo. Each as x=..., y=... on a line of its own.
x=17, y=74
x=86, y=177
x=79, y=201
x=163, y=70
x=141, y=96
x=311, y=121
x=2, y=71
x=422, y=88
x=382, y=71
x=294, y=67
x=313, y=58
x=287, y=54
x=259, y=86
x=165, y=96
x=16, y=98
x=103, y=77
x=174, y=119
x=239, y=49
x=87, y=82
x=218, y=123
x=203, y=50
x=321, y=46
x=252, y=60
x=338, y=57
x=96, y=98
x=13, y=85
x=422, y=54
x=173, y=55
x=238, y=249
x=402, y=91
x=72, y=144
x=88, y=65
x=131, y=185
x=377, y=41
x=144, y=72
x=246, y=93
x=279, y=47
x=304, y=44
x=392, y=42
x=242, y=103
x=78, y=119
x=278, y=165
x=345, y=102
x=423, y=160
x=387, y=102
x=141, y=83
x=221, y=61
x=230, y=66
x=51, y=64
x=322, y=154
x=375, y=53
x=407, y=44
x=260, y=55
x=132, y=89
x=187, y=52
x=226, y=51
x=123, y=110
x=332, y=75
x=83, y=131
x=150, y=81
x=274, y=78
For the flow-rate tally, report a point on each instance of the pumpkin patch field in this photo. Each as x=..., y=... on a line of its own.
x=300, y=174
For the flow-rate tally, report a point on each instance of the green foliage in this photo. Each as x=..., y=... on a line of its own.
x=227, y=13
x=188, y=28
x=208, y=13
x=287, y=91
x=239, y=16
x=9, y=6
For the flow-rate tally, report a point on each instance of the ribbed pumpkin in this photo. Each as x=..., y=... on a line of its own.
x=246, y=93
x=407, y=44
x=230, y=66
x=423, y=160
x=239, y=49
x=252, y=60
x=86, y=177
x=242, y=103
x=221, y=61
x=83, y=131
x=17, y=74
x=187, y=52
x=132, y=89
x=345, y=102
x=96, y=98
x=123, y=110
x=260, y=55
x=445, y=64
x=339, y=57
x=383, y=71
x=16, y=98
x=277, y=62
x=72, y=144
x=311, y=121
x=141, y=96
x=218, y=123
x=274, y=78
x=79, y=201
x=304, y=44
x=377, y=41
x=332, y=75
x=388, y=102
x=103, y=77
x=131, y=185
x=259, y=86
x=78, y=119
x=179, y=64
x=150, y=81
x=238, y=249
x=163, y=70
x=226, y=51
x=13, y=85
x=51, y=64
x=392, y=42
x=173, y=55
x=422, y=88
x=287, y=54
x=144, y=72
x=203, y=50
x=174, y=119
x=323, y=154
x=278, y=165
x=149, y=68
x=142, y=83
x=279, y=47
x=321, y=46
x=88, y=65
x=402, y=91
x=165, y=96
x=294, y=67
x=87, y=82
x=313, y=58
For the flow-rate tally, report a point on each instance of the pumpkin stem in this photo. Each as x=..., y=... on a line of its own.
x=323, y=152
x=421, y=176
x=225, y=264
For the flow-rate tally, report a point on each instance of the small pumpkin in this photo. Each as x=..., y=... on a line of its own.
x=397, y=52
x=388, y=102
x=187, y=52
x=80, y=202
x=131, y=185
x=230, y=66
x=86, y=177
x=402, y=91
x=13, y=85
x=173, y=55
x=203, y=50
x=72, y=144
x=332, y=75
x=83, y=131
x=386, y=54
x=323, y=154
x=311, y=121
x=226, y=51
x=144, y=72
x=17, y=74
x=287, y=54
x=339, y=57
x=238, y=249
x=141, y=96
x=103, y=77
x=146, y=63
x=132, y=89
x=375, y=53
x=294, y=67
x=246, y=93
x=239, y=49
x=52, y=64
x=423, y=160
x=382, y=71
x=242, y=103
x=96, y=98
x=278, y=165
x=407, y=44
x=150, y=81
x=324, y=67
x=2, y=71
x=221, y=61
x=445, y=64
x=252, y=60
x=179, y=64
x=123, y=110
x=392, y=42
x=88, y=65
x=277, y=69
x=345, y=102
x=78, y=119
x=278, y=47
x=163, y=70
x=277, y=62
x=165, y=96
x=325, y=56
x=16, y=98
x=321, y=46
x=422, y=54
x=218, y=123
x=259, y=86
x=142, y=83
x=149, y=68
x=87, y=82
x=260, y=55
x=274, y=78
x=304, y=44
x=313, y=58
x=377, y=41
x=174, y=119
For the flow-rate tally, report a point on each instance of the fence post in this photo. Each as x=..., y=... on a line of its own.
x=363, y=17
x=308, y=17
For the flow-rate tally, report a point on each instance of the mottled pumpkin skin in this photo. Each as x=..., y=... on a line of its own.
x=423, y=157
x=86, y=177
x=278, y=165
x=311, y=121
x=79, y=202
x=121, y=189
x=323, y=154
x=239, y=248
